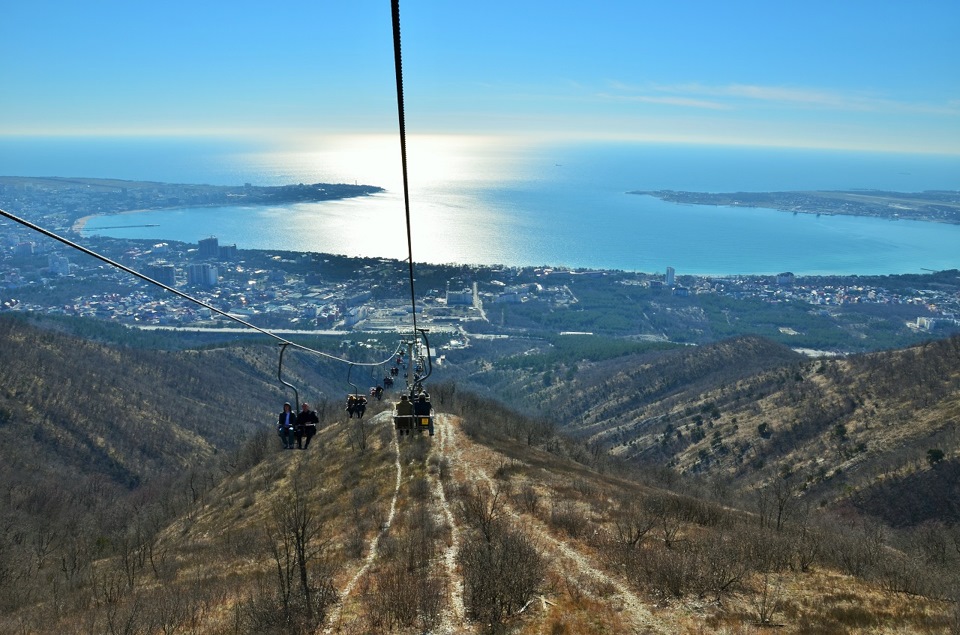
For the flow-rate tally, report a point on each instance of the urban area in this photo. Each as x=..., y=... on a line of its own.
x=323, y=292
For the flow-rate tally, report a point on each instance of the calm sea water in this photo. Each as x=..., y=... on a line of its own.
x=487, y=201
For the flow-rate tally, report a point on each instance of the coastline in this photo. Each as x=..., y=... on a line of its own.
x=79, y=225
x=942, y=206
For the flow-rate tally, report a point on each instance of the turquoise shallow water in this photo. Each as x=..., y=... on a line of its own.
x=487, y=202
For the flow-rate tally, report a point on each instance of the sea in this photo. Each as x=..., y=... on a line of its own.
x=500, y=201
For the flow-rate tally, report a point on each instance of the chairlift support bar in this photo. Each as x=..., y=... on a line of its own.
x=296, y=393
x=356, y=390
x=429, y=367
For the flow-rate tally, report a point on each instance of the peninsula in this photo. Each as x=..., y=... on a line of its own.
x=77, y=198
x=942, y=206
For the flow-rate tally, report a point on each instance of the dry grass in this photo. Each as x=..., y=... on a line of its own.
x=567, y=511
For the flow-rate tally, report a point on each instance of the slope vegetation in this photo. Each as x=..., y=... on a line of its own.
x=471, y=531
x=496, y=524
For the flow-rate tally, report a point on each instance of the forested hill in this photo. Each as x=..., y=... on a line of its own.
x=878, y=431
x=123, y=414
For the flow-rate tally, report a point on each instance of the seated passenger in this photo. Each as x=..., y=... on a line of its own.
x=422, y=408
x=404, y=415
x=404, y=406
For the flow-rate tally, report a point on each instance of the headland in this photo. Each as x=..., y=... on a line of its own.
x=942, y=206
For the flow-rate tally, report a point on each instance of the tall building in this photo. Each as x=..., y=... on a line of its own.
x=58, y=265
x=209, y=247
x=163, y=272
x=671, y=276
x=203, y=274
x=786, y=279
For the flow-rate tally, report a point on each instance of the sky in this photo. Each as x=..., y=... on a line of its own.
x=862, y=75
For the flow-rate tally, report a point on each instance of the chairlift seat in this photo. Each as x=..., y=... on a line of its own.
x=405, y=424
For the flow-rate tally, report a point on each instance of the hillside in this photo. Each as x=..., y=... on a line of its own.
x=743, y=413
x=499, y=523
x=90, y=431
x=448, y=535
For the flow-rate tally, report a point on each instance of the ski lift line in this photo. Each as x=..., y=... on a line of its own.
x=283, y=341
x=398, y=63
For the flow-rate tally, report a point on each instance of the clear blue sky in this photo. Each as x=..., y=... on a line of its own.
x=854, y=74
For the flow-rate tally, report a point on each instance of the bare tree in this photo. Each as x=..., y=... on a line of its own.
x=769, y=599
x=633, y=523
x=303, y=588
x=500, y=574
x=482, y=508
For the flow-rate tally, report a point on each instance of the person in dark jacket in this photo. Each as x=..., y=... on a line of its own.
x=286, y=424
x=307, y=421
x=403, y=411
x=422, y=408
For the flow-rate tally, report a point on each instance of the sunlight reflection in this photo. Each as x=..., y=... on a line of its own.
x=449, y=221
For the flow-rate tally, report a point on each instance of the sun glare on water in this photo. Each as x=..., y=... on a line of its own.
x=444, y=171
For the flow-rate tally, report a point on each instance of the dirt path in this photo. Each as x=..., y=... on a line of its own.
x=335, y=615
x=477, y=463
x=443, y=447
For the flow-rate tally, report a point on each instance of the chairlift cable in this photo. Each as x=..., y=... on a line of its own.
x=283, y=341
x=398, y=63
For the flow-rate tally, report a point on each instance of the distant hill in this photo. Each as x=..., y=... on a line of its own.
x=123, y=412
x=744, y=411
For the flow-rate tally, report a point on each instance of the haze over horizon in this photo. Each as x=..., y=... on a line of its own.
x=851, y=76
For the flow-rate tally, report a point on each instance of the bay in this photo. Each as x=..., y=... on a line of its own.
x=492, y=201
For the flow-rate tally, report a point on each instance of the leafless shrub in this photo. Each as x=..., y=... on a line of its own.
x=481, y=508
x=350, y=476
x=769, y=598
x=362, y=495
x=585, y=488
x=768, y=550
x=500, y=575
x=385, y=435
x=901, y=574
x=356, y=539
x=253, y=451
x=393, y=598
x=569, y=518
x=403, y=593
x=359, y=433
x=170, y=609
x=527, y=499
x=776, y=500
x=431, y=600
x=632, y=523
x=665, y=510
x=664, y=572
x=420, y=489
x=439, y=465
x=724, y=562
x=506, y=469
x=302, y=592
x=855, y=549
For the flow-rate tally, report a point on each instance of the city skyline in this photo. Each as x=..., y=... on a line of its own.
x=853, y=76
